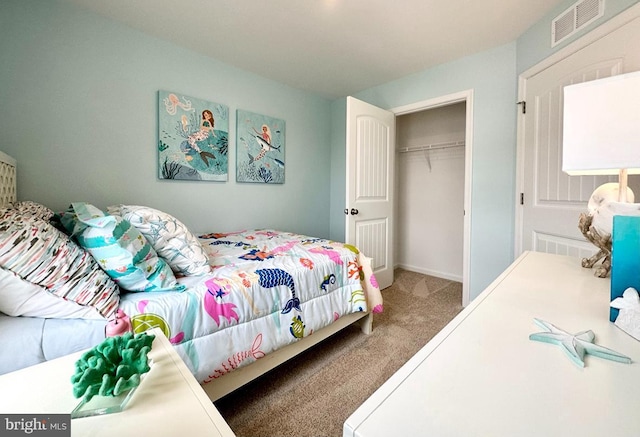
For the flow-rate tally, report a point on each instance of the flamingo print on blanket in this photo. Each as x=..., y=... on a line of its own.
x=333, y=255
x=216, y=289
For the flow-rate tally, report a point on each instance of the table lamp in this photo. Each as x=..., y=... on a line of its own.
x=601, y=136
x=601, y=128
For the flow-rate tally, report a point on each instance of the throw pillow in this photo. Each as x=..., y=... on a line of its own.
x=171, y=239
x=119, y=248
x=40, y=254
x=23, y=298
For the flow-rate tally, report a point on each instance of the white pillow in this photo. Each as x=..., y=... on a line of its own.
x=22, y=298
x=169, y=237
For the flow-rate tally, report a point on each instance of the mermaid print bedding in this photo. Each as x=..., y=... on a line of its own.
x=267, y=289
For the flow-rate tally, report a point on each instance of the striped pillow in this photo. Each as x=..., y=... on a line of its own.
x=42, y=255
x=120, y=249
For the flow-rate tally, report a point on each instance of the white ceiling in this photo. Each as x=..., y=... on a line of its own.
x=331, y=47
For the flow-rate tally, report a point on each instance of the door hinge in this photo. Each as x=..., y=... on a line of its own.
x=524, y=106
x=521, y=198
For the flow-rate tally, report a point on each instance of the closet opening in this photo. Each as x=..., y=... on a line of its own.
x=433, y=174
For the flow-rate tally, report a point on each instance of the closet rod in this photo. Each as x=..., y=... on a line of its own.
x=431, y=146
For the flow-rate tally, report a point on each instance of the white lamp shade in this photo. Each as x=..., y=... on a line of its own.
x=601, y=126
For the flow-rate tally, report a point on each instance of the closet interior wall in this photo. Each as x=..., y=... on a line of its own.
x=430, y=160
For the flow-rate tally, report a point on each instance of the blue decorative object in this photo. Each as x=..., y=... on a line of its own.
x=625, y=258
x=576, y=346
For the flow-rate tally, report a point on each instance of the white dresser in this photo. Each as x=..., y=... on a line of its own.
x=482, y=376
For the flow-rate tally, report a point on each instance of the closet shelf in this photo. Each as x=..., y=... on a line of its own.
x=434, y=146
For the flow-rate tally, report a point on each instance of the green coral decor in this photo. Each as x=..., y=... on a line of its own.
x=113, y=367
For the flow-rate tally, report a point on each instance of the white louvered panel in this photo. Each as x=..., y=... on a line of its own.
x=579, y=15
x=551, y=182
x=372, y=159
x=371, y=239
x=587, y=11
x=563, y=246
x=564, y=25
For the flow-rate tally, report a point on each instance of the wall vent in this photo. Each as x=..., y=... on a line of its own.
x=578, y=16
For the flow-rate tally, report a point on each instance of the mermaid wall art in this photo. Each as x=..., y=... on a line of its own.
x=259, y=148
x=193, y=138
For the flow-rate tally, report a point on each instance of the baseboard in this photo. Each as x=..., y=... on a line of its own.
x=437, y=274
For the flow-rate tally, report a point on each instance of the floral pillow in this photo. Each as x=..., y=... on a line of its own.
x=169, y=237
x=35, y=251
x=120, y=249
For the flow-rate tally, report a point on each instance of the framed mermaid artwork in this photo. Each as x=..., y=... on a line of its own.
x=259, y=148
x=193, y=138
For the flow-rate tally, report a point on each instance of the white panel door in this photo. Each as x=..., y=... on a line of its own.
x=370, y=163
x=553, y=200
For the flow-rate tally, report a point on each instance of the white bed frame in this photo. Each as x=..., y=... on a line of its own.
x=236, y=379
x=239, y=377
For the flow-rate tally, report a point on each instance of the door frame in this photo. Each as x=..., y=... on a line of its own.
x=604, y=29
x=449, y=99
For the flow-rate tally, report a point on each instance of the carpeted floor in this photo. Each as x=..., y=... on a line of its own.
x=313, y=394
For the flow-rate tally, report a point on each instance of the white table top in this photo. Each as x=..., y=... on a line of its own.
x=169, y=401
x=482, y=376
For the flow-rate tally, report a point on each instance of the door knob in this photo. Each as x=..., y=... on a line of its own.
x=354, y=211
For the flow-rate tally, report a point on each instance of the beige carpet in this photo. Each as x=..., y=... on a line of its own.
x=313, y=394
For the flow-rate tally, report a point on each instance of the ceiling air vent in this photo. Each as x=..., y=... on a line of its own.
x=579, y=15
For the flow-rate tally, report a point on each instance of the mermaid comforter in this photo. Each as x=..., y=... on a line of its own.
x=267, y=289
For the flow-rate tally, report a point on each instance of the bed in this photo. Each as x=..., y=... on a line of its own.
x=234, y=305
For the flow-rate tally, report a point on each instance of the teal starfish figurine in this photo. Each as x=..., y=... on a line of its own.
x=576, y=346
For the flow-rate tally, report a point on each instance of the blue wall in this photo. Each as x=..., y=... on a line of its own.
x=80, y=116
x=492, y=77
x=338, y=168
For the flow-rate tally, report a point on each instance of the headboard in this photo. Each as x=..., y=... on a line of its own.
x=7, y=179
